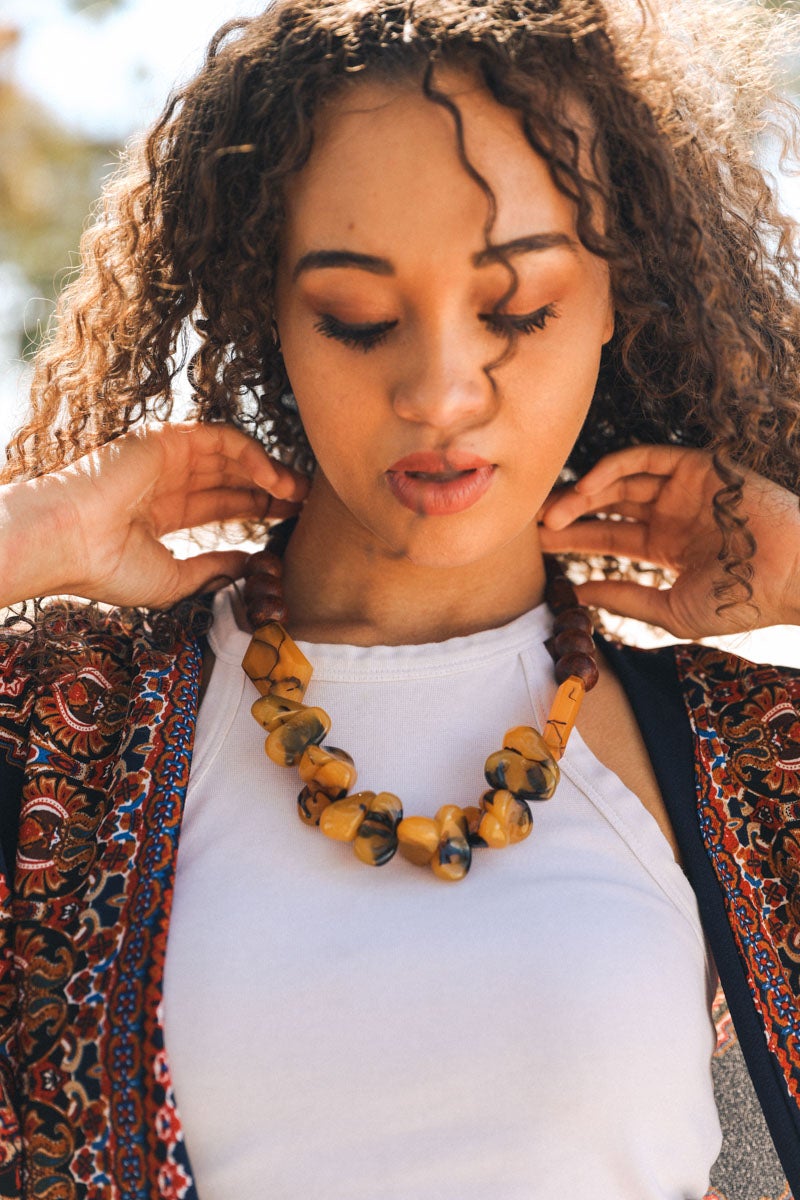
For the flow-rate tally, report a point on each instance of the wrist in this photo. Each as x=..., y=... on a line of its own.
x=38, y=554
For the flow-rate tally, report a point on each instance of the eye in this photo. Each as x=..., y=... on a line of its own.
x=524, y=323
x=358, y=337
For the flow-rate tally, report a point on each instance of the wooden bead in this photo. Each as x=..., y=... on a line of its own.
x=528, y=779
x=578, y=664
x=418, y=839
x=342, y=818
x=271, y=711
x=573, y=641
x=563, y=714
x=285, y=745
x=264, y=601
x=560, y=594
x=263, y=562
x=573, y=618
x=506, y=819
x=453, y=855
x=311, y=803
x=330, y=768
x=376, y=840
x=275, y=664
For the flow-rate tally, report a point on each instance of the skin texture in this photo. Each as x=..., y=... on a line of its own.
x=385, y=180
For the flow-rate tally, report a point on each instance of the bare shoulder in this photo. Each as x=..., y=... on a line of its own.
x=608, y=726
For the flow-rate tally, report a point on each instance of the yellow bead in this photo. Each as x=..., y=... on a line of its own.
x=453, y=855
x=342, y=818
x=474, y=815
x=330, y=769
x=508, y=770
x=311, y=803
x=418, y=839
x=376, y=840
x=271, y=711
x=275, y=664
x=563, y=714
x=506, y=819
x=285, y=745
x=528, y=742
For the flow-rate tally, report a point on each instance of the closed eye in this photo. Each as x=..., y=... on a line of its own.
x=503, y=323
x=359, y=337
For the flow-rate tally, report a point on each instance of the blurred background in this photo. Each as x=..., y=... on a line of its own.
x=77, y=78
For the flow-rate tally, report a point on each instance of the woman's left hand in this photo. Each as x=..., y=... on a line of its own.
x=664, y=497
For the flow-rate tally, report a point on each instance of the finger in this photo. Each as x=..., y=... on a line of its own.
x=624, y=539
x=640, y=603
x=216, y=438
x=207, y=572
x=633, y=460
x=221, y=504
x=637, y=489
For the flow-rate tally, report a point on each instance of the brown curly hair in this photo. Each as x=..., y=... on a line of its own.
x=705, y=349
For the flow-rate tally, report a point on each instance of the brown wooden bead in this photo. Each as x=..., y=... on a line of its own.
x=560, y=594
x=262, y=611
x=376, y=840
x=271, y=711
x=330, y=768
x=418, y=839
x=264, y=601
x=275, y=664
x=581, y=665
x=263, y=562
x=573, y=618
x=285, y=745
x=573, y=641
x=311, y=803
x=342, y=818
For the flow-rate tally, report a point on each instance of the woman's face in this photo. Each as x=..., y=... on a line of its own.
x=384, y=306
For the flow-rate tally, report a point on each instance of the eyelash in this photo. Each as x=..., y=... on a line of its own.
x=368, y=337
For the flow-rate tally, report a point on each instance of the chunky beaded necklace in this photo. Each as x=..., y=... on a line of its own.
x=525, y=768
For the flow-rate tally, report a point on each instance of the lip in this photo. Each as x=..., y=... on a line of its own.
x=462, y=480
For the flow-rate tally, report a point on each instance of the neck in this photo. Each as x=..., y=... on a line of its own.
x=342, y=584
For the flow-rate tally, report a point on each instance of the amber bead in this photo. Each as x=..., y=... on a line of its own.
x=573, y=618
x=285, y=745
x=581, y=665
x=453, y=855
x=418, y=839
x=506, y=820
x=275, y=664
x=473, y=815
x=311, y=803
x=342, y=818
x=330, y=768
x=528, y=779
x=271, y=711
x=376, y=840
x=573, y=641
x=563, y=714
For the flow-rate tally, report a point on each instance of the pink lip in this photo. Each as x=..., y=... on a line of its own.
x=463, y=480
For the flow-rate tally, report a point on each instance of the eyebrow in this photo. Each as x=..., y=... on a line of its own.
x=319, y=260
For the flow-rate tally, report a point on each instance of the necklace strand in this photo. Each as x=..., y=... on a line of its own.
x=525, y=769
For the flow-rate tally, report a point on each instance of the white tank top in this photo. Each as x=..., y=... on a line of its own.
x=341, y=1032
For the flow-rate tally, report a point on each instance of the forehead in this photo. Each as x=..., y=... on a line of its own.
x=386, y=160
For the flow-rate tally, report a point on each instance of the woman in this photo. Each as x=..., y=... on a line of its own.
x=436, y=255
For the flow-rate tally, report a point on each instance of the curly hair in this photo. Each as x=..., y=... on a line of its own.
x=180, y=264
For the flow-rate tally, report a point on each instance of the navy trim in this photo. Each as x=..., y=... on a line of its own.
x=651, y=682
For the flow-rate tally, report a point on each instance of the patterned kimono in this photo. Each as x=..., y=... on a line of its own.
x=93, y=774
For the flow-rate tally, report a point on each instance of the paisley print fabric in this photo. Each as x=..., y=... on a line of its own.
x=87, y=1091
x=93, y=775
x=746, y=722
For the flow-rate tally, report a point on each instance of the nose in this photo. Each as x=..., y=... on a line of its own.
x=444, y=383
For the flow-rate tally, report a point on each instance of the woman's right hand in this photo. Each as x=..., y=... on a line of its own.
x=93, y=529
